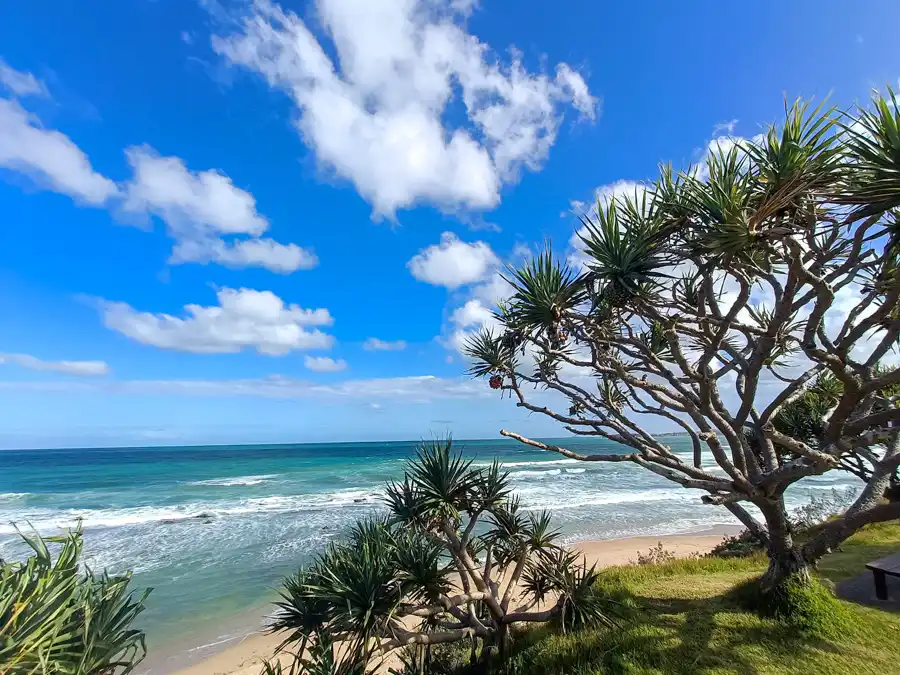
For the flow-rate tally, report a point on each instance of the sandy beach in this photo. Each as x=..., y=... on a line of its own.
x=245, y=657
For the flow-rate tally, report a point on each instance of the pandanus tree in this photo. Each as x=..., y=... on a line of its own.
x=59, y=618
x=455, y=559
x=750, y=303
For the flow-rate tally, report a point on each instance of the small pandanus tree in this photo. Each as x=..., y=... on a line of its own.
x=455, y=559
x=56, y=617
x=753, y=305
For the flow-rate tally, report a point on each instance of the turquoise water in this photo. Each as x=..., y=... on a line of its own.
x=213, y=529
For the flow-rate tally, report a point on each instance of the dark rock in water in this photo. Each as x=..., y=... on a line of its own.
x=202, y=517
x=207, y=521
x=359, y=500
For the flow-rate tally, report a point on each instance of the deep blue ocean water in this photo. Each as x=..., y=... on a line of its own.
x=214, y=529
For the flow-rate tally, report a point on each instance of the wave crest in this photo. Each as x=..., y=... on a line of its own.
x=236, y=480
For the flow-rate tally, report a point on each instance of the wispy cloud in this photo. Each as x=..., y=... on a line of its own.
x=88, y=368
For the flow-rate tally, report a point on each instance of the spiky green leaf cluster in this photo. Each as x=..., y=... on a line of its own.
x=361, y=588
x=545, y=291
x=59, y=619
x=624, y=243
x=872, y=181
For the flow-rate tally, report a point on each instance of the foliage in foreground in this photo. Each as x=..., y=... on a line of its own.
x=57, y=619
x=689, y=616
x=457, y=560
x=752, y=302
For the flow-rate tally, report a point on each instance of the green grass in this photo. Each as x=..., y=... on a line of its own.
x=687, y=619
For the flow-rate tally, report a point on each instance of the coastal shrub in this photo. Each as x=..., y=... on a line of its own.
x=59, y=618
x=654, y=555
x=448, y=659
x=709, y=300
x=455, y=560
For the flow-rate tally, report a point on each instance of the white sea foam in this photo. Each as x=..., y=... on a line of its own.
x=237, y=480
x=511, y=465
x=47, y=520
x=574, y=470
x=535, y=474
x=540, y=499
x=12, y=496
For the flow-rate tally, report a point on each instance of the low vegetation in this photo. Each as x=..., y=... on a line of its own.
x=456, y=560
x=57, y=618
x=690, y=616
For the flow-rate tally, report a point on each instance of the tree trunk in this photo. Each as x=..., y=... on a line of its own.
x=786, y=561
x=892, y=491
x=503, y=641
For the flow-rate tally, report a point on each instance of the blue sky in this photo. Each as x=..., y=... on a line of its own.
x=231, y=222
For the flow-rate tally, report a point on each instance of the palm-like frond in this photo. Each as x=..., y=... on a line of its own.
x=872, y=181
x=540, y=531
x=300, y=612
x=323, y=658
x=623, y=245
x=55, y=618
x=509, y=523
x=491, y=487
x=544, y=290
x=442, y=478
x=558, y=570
x=791, y=161
x=722, y=207
x=422, y=567
x=489, y=353
x=655, y=340
x=359, y=584
x=611, y=394
x=404, y=502
x=546, y=365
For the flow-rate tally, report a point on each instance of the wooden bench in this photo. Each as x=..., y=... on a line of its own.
x=880, y=570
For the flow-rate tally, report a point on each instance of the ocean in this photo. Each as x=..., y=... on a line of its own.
x=213, y=529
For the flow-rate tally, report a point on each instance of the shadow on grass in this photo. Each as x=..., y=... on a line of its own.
x=670, y=635
x=850, y=561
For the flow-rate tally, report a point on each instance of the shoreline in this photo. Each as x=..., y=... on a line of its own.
x=242, y=654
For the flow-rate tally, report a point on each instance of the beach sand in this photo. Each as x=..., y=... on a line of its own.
x=245, y=657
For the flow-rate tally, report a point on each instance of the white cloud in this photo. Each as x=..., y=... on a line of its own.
x=376, y=115
x=725, y=128
x=473, y=313
x=262, y=252
x=467, y=320
x=191, y=203
x=376, y=345
x=49, y=157
x=19, y=83
x=416, y=388
x=63, y=367
x=324, y=364
x=453, y=263
x=244, y=318
x=200, y=208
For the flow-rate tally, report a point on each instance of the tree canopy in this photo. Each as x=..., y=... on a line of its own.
x=456, y=558
x=750, y=302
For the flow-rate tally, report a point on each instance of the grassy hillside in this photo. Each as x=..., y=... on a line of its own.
x=686, y=617
x=687, y=620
